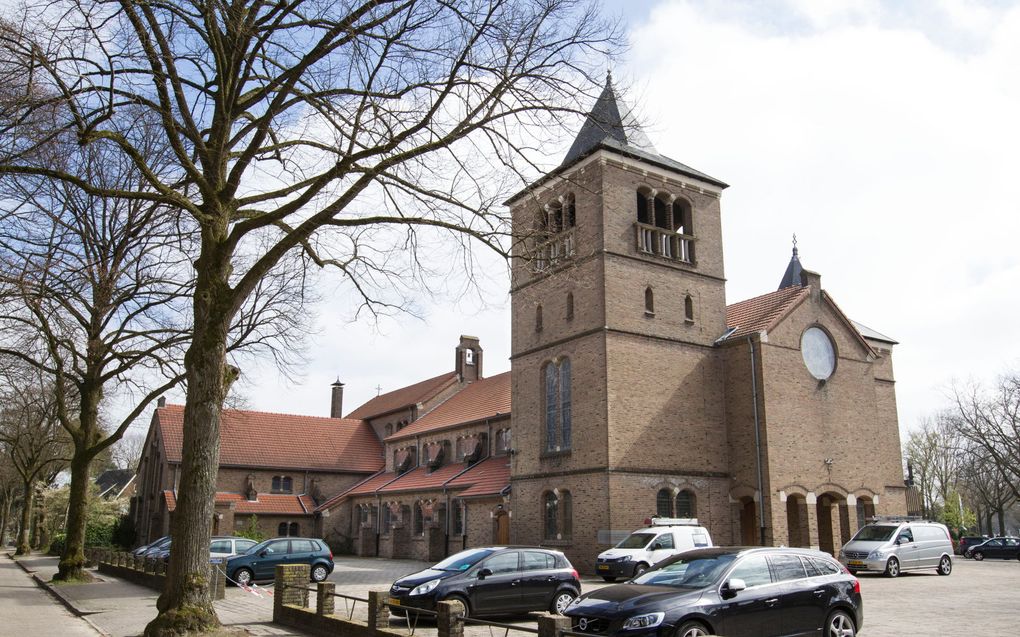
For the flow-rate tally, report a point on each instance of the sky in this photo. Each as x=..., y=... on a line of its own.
x=884, y=134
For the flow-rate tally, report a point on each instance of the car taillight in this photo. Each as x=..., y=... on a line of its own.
x=576, y=575
x=331, y=555
x=857, y=586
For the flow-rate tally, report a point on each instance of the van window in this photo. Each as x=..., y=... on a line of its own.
x=905, y=535
x=220, y=546
x=700, y=538
x=875, y=533
x=636, y=541
x=665, y=541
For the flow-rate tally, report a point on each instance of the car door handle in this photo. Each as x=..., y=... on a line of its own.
x=772, y=602
x=819, y=592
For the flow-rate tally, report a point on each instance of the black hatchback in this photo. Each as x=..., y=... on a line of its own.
x=763, y=592
x=492, y=581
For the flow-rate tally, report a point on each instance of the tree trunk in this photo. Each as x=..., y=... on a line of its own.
x=23, y=547
x=185, y=606
x=1002, y=520
x=5, y=517
x=42, y=531
x=72, y=561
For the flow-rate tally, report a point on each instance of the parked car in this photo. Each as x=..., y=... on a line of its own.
x=220, y=548
x=641, y=549
x=160, y=543
x=896, y=546
x=967, y=542
x=492, y=581
x=259, y=563
x=1005, y=547
x=728, y=591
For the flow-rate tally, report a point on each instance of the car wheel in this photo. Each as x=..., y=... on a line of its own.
x=609, y=579
x=892, y=567
x=560, y=602
x=945, y=566
x=243, y=576
x=692, y=629
x=640, y=568
x=978, y=556
x=319, y=573
x=839, y=624
x=465, y=610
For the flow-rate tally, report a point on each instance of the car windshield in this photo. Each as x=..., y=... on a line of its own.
x=875, y=533
x=636, y=541
x=463, y=561
x=690, y=572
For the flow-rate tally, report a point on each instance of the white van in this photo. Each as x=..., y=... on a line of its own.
x=643, y=548
x=892, y=545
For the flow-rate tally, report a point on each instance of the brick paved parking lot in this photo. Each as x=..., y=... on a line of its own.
x=979, y=599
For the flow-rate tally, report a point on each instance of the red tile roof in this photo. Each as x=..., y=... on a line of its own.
x=267, y=503
x=763, y=312
x=489, y=477
x=482, y=399
x=420, y=478
x=404, y=397
x=260, y=439
x=366, y=486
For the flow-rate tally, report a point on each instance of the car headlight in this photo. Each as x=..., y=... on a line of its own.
x=651, y=620
x=427, y=587
x=625, y=558
x=877, y=554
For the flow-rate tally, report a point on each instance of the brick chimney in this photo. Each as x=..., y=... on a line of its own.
x=336, y=405
x=468, y=361
x=161, y=401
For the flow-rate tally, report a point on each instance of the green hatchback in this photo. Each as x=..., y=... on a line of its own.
x=259, y=563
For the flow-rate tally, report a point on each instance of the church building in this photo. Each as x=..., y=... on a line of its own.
x=634, y=389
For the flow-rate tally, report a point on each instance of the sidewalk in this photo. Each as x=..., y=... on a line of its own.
x=26, y=609
x=121, y=609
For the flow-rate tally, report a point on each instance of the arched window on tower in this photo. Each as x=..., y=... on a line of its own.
x=664, y=503
x=557, y=380
x=643, y=214
x=569, y=211
x=570, y=306
x=538, y=318
x=689, y=309
x=649, y=301
x=683, y=224
x=686, y=505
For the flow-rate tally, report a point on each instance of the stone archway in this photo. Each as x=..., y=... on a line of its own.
x=749, y=535
x=798, y=521
x=833, y=522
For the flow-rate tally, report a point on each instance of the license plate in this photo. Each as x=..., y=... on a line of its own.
x=603, y=567
x=394, y=601
x=856, y=563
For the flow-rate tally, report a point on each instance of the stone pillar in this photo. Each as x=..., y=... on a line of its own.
x=449, y=616
x=851, y=514
x=378, y=611
x=324, y=600
x=291, y=587
x=812, y=519
x=837, y=532
x=551, y=625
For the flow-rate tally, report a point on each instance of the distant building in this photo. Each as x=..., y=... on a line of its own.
x=116, y=483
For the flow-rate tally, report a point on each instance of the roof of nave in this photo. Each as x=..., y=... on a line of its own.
x=404, y=397
x=486, y=398
x=269, y=440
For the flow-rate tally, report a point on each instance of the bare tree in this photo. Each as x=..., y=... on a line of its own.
x=990, y=421
x=986, y=487
x=936, y=452
x=373, y=137
x=128, y=451
x=36, y=444
x=9, y=485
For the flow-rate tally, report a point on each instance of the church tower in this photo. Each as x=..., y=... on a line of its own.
x=617, y=300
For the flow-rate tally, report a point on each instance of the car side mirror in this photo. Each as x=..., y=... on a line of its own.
x=656, y=547
x=482, y=574
x=733, y=586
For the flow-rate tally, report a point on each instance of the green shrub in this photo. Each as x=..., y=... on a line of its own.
x=124, y=532
x=57, y=544
x=252, y=531
x=99, y=534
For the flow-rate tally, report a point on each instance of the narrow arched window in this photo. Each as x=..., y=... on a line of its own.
x=570, y=211
x=558, y=416
x=388, y=430
x=276, y=483
x=567, y=514
x=686, y=505
x=570, y=306
x=643, y=215
x=538, y=318
x=649, y=301
x=552, y=516
x=689, y=309
x=294, y=530
x=664, y=503
x=287, y=484
x=282, y=529
x=419, y=519
x=458, y=517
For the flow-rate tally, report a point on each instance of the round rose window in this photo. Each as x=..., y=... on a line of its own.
x=818, y=352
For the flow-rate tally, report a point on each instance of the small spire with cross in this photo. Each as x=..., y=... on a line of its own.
x=378, y=390
x=795, y=243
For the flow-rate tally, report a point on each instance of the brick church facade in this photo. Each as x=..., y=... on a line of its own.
x=635, y=389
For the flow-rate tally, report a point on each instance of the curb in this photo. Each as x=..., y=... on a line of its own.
x=66, y=603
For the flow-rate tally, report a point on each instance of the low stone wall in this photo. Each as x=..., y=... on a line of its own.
x=148, y=572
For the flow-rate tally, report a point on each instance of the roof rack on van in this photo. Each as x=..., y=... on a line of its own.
x=672, y=522
x=896, y=518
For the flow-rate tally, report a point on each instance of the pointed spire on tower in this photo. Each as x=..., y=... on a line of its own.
x=794, y=274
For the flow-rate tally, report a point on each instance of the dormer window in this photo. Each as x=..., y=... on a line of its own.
x=434, y=454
